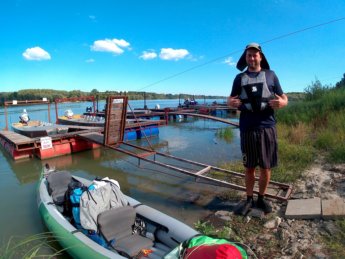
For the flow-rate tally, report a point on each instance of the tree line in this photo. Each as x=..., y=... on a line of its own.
x=51, y=95
x=316, y=88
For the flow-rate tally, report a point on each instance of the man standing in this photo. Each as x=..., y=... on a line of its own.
x=256, y=92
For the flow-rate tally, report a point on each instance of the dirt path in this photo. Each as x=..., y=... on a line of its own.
x=273, y=236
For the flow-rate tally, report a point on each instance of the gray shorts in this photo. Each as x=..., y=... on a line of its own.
x=259, y=148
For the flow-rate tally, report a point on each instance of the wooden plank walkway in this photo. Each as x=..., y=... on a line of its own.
x=16, y=138
x=95, y=137
x=144, y=123
x=206, y=117
x=21, y=142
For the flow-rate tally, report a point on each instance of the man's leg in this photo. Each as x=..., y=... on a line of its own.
x=249, y=156
x=244, y=206
x=250, y=181
x=264, y=179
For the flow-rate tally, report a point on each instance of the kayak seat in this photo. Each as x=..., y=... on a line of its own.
x=116, y=226
x=57, y=185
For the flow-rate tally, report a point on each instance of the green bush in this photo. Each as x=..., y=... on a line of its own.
x=337, y=154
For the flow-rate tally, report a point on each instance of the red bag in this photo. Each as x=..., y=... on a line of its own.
x=219, y=251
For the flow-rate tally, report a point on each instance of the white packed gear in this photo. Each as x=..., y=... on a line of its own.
x=106, y=194
x=24, y=117
x=69, y=114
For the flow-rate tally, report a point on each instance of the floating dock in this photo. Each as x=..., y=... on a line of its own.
x=20, y=146
x=68, y=142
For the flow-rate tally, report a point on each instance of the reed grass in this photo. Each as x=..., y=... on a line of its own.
x=34, y=246
x=318, y=123
x=308, y=128
x=226, y=133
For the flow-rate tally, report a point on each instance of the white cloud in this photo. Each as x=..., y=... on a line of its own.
x=229, y=61
x=114, y=46
x=121, y=43
x=146, y=55
x=92, y=17
x=173, y=54
x=36, y=53
x=90, y=60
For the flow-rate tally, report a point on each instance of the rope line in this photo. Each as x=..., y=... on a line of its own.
x=236, y=51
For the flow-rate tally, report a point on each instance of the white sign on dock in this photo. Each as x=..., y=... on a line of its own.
x=117, y=100
x=46, y=143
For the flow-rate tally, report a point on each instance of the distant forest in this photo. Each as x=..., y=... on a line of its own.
x=51, y=95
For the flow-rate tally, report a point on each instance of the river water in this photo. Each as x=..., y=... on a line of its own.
x=170, y=192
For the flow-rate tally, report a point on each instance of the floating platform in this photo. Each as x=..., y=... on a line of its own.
x=20, y=146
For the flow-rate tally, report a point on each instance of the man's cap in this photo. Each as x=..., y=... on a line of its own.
x=253, y=45
x=242, y=63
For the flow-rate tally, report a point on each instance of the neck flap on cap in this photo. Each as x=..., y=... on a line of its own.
x=242, y=63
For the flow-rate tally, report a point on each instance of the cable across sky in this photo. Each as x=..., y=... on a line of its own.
x=240, y=51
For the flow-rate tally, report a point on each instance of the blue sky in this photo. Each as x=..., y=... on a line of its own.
x=165, y=46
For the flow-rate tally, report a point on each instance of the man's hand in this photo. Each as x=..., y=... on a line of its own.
x=234, y=101
x=279, y=102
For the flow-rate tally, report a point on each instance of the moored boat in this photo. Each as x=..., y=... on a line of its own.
x=36, y=128
x=134, y=129
x=33, y=129
x=81, y=120
x=163, y=234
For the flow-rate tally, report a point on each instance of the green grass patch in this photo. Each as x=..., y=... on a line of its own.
x=337, y=154
x=306, y=128
x=41, y=245
x=293, y=160
x=226, y=231
x=226, y=134
x=335, y=244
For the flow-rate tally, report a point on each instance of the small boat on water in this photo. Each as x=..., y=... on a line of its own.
x=134, y=129
x=161, y=238
x=36, y=128
x=92, y=120
x=69, y=118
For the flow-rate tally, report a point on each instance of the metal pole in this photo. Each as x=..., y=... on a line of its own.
x=6, y=128
x=145, y=106
x=49, y=112
x=56, y=111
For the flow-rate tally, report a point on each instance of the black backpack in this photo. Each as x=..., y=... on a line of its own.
x=68, y=206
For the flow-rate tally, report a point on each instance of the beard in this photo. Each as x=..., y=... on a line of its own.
x=253, y=65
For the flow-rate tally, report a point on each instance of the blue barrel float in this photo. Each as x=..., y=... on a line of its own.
x=130, y=135
x=133, y=134
x=148, y=131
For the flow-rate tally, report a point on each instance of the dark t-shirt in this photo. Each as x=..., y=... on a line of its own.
x=261, y=119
